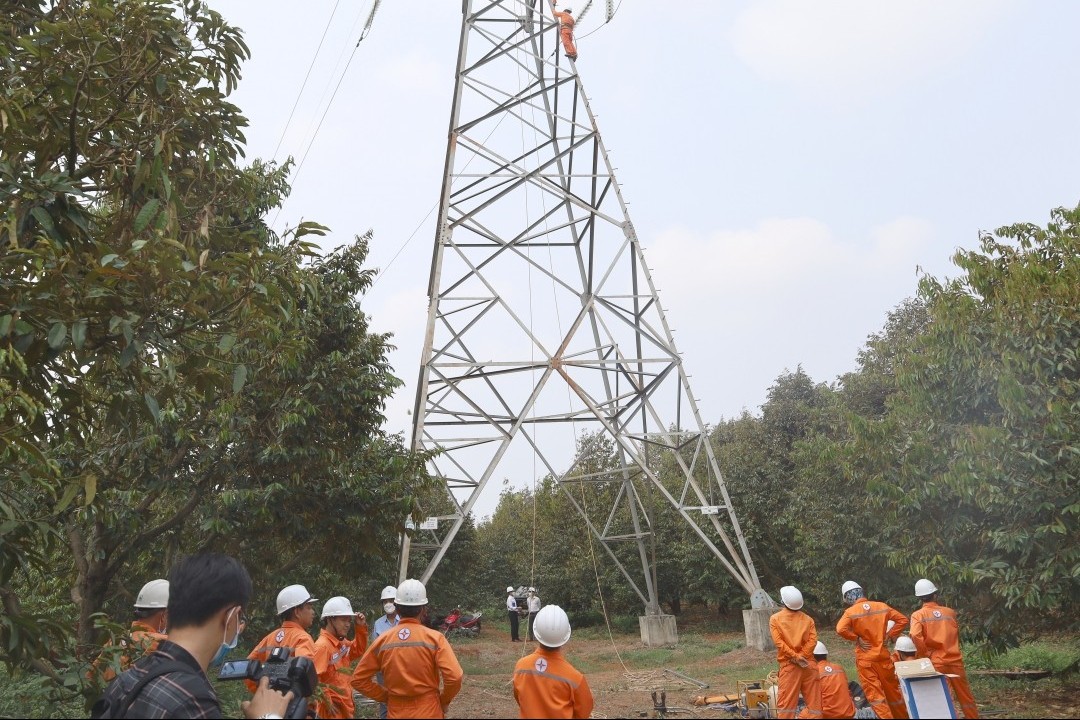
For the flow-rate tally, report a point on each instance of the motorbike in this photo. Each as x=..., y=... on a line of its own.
x=461, y=624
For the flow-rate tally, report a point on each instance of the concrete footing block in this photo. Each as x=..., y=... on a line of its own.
x=756, y=622
x=658, y=630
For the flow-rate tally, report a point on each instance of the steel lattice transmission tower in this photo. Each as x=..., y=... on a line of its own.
x=543, y=319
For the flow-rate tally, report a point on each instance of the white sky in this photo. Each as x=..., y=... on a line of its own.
x=788, y=164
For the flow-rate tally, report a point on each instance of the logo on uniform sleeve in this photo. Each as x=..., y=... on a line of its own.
x=828, y=668
x=280, y=637
x=937, y=613
x=403, y=633
x=541, y=664
x=866, y=606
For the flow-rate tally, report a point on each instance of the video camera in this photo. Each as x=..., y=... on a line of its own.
x=285, y=672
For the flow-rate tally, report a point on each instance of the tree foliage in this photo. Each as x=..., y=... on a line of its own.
x=978, y=456
x=175, y=377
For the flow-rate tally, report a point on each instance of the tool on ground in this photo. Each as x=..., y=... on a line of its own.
x=687, y=678
x=716, y=699
x=659, y=703
x=753, y=698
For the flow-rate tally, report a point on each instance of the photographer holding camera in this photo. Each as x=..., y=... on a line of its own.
x=207, y=596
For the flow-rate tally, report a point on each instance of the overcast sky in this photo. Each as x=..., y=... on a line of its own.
x=788, y=165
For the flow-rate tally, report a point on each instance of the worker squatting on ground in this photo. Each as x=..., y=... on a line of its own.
x=795, y=636
x=566, y=32
x=411, y=658
x=334, y=655
x=545, y=684
x=936, y=635
x=865, y=623
x=147, y=629
x=836, y=699
x=904, y=650
x=296, y=609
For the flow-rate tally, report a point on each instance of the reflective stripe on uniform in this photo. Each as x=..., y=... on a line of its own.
x=537, y=673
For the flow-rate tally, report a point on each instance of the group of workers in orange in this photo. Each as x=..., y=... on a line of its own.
x=804, y=661
x=408, y=668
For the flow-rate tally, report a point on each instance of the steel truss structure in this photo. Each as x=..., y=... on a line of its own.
x=543, y=318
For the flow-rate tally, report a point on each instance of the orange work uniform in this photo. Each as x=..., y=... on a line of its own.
x=866, y=620
x=547, y=686
x=143, y=639
x=290, y=635
x=333, y=661
x=795, y=636
x=411, y=658
x=836, y=699
x=937, y=636
x=566, y=32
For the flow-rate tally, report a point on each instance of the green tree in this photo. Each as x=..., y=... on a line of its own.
x=977, y=458
x=175, y=377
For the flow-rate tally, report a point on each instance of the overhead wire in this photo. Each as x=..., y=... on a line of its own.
x=299, y=167
x=610, y=17
x=307, y=75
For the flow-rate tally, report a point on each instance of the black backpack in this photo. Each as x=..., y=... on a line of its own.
x=110, y=708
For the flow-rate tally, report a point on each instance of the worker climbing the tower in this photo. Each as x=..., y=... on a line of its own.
x=566, y=31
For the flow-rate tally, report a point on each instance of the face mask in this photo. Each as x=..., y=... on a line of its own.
x=226, y=646
x=389, y=608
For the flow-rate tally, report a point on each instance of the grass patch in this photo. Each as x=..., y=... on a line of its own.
x=1039, y=655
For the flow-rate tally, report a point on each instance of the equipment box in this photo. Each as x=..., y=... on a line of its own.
x=925, y=690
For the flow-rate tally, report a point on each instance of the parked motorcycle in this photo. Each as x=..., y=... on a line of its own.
x=461, y=624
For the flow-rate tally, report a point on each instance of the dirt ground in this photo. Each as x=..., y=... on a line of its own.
x=622, y=674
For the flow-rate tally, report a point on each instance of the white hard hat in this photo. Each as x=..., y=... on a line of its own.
x=154, y=595
x=509, y=589
x=924, y=587
x=551, y=627
x=337, y=607
x=889, y=626
x=904, y=643
x=848, y=587
x=411, y=593
x=293, y=596
x=819, y=649
x=791, y=597
x=388, y=593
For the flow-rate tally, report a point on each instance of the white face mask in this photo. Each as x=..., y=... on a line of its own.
x=389, y=608
x=226, y=646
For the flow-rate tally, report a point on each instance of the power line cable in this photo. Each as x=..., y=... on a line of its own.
x=329, y=104
x=303, y=85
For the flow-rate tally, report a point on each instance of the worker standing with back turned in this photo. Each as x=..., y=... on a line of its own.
x=866, y=622
x=413, y=659
x=566, y=32
x=545, y=684
x=936, y=634
x=795, y=636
